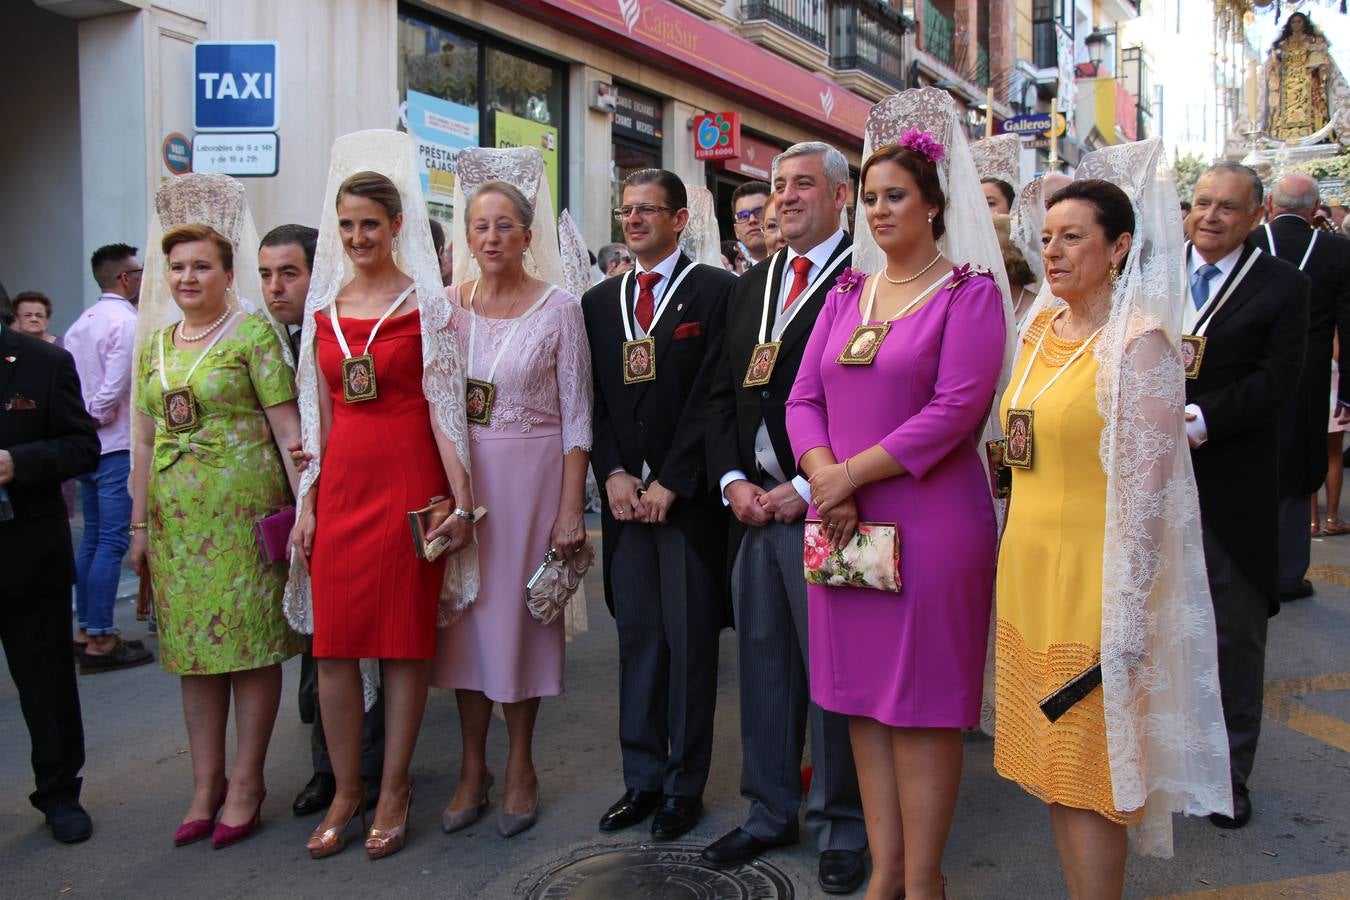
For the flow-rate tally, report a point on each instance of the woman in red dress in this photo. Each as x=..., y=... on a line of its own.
x=382, y=453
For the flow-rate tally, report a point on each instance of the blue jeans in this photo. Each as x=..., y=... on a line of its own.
x=107, y=535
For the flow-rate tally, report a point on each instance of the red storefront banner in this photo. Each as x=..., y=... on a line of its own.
x=755, y=159
x=665, y=35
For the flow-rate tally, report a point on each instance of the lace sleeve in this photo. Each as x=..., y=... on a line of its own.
x=574, y=378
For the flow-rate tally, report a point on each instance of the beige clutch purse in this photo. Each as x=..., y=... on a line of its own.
x=870, y=560
x=555, y=582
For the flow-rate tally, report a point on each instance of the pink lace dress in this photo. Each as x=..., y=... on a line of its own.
x=542, y=411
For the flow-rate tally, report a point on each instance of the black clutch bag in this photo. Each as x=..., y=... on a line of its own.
x=1062, y=700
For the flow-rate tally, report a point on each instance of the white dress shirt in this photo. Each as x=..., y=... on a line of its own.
x=1195, y=429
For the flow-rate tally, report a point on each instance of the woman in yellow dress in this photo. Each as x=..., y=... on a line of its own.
x=1094, y=570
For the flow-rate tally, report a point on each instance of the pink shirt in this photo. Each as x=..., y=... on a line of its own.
x=103, y=342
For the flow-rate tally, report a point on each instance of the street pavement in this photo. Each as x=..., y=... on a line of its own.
x=138, y=782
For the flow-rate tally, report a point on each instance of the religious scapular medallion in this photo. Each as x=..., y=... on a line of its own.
x=639, y=360
x=180, y=410
x=479, y=396
x=863, y=345
x=358, y=378
x=1192, y=352
x=1018, y=428
x=762, y=360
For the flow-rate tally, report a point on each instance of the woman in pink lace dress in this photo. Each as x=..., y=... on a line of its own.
x=529, y=410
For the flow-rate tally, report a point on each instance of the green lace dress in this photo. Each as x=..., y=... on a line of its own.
x=217, y=604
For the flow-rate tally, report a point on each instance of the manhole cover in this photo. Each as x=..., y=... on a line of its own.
x=665, y=872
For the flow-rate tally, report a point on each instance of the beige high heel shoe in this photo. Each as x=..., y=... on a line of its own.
x=382, y=842
x=327, y=841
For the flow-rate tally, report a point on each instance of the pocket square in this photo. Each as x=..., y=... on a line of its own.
x=687, y=330
x=18, y=402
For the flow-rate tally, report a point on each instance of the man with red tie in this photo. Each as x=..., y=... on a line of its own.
x=655, y=334
x=751, y=464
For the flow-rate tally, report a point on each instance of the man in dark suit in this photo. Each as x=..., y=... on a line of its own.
x=285, y=263
x=46, y=437
x=655, y=334
x=1325, y=259
x=751, y=462
x=1251, y=309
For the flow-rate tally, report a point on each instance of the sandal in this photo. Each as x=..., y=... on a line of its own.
x=1313, y=530
x=1336, y=525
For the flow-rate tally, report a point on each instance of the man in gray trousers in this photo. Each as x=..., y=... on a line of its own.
x=768, y=323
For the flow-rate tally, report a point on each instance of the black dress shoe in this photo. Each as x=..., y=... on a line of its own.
x=316, y=796
x=1301, y=591
x=68, y=821
x=631, y=808
x=1242, y=810
x=841, y=871
x=735, y=847
x=675, y=816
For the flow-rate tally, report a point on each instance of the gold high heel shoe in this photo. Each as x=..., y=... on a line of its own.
x=382, y=842
x=327, y=841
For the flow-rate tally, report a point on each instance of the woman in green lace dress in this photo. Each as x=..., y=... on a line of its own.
x=216, y=402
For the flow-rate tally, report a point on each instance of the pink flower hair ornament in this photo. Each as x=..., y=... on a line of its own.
x=924, y=144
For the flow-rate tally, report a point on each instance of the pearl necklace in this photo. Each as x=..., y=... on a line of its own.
x=209, y=329
x=886, y=271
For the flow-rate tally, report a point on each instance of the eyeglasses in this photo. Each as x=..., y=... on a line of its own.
x=503, y=227
x=130, y=272
x=770, y=226
x=746, y=215
x=644, y=210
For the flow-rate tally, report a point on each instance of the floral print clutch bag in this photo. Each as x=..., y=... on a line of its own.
x=870, y=560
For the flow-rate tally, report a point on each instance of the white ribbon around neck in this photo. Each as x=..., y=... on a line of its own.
x=337, y=325
x=510, y=332
x=630, y=322
x=1312, y=241
x=781, y=323
x=187, y=379
x=872, y=296
x=1031, y=360
x=1206, y=313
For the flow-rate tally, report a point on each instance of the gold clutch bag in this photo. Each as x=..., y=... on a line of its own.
x=870, y=560
x=427, y=519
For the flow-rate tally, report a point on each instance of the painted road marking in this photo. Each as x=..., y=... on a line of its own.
x=1282, y=706
x=1335, y=884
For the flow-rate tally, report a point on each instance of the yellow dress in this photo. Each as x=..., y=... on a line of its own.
x=1049, y=587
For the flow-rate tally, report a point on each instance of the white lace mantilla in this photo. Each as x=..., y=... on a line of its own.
x=1165, y=731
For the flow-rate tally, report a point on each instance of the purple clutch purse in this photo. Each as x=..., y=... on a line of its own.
x=273, y=535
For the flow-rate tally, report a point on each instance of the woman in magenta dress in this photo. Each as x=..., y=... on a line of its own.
x=529, y=467
x=898, y=441
x=382, y=453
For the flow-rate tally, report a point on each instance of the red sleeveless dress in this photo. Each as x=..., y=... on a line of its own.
x=372, y=596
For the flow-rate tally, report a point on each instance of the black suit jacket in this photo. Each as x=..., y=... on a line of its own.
x=1252, y=359
x=661, y=422
x=736, y=411
x=44, y=426
x=1303, y=429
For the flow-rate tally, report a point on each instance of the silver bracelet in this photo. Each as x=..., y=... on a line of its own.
x=465, y=514
x=848, y=475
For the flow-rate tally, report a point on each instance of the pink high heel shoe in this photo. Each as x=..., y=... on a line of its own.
x=200, y=829
x=225, y=835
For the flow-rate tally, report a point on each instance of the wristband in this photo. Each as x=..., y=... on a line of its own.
x=848, y=475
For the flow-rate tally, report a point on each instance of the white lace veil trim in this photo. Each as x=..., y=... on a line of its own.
x=700, y=240
x=1165, y=732
x=522, y=167
x=390, y=153
x=1028, y=216
x=969, y=236
x=999, y=156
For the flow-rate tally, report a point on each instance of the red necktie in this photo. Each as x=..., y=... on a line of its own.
x=646, y=302
x=801, y=267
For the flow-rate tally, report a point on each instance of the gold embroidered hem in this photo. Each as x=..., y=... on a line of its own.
x=1062, y=762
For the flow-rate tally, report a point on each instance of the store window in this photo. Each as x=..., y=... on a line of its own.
x=637, y=134
x=461, y=88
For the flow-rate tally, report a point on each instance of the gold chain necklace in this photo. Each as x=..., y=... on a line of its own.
x=886, y=271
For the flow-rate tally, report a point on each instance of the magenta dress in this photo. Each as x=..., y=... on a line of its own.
x=542, y=411
x=913, y=659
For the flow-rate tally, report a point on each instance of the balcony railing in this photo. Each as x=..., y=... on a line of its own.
x=937, y=33
x=865, y=35
x=804, y=18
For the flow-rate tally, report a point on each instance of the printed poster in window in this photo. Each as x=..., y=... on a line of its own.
x=513, y=131
x=1067, y=88
x=440, y=129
